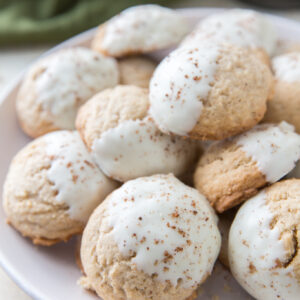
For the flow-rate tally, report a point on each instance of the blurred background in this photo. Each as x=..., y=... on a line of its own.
x=30, y=27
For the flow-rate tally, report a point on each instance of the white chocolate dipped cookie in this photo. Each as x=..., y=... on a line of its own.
x=241, y=27
x=153, y=238
x=209, y=92
x=264, y=243
x=140, y=29
x=125, y=142
x=136, y=70
x=295, y=173
x=285, y=105
x=231, y=171
x=52, y=187
x=57, y=85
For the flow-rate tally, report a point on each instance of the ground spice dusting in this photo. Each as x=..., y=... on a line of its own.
x=74, y=178
x=175, y=214
x=178, y=249
x=88, y=163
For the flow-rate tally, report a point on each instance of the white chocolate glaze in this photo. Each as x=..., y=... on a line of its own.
x=143, y=28
x=256, y=253
x=137, y=148
x=275, y=148
x=179, y=85
x=240, y=27
x=69, y=78
x=78, y=181
x=168, y=227
x=287, y=67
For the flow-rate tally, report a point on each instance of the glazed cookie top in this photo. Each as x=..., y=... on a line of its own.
x=52, y=188
x=176, y=102
x=63, y=81
x=69, y=78
x=140, y=29
x=263, y=249
x=286, y=67
x=138, y=148
x=241, y=27
x=274, y=148
x=75, y=177
x=169, y=226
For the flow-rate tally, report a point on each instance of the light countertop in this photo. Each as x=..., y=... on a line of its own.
x=14, y=60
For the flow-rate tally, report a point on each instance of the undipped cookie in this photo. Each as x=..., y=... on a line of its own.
x=241, y=27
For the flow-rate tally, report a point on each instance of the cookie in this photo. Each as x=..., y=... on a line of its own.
x=188, y=176
x=136, y=70
x=293, y=46
x=209, y=92
x=241, y=27
x=125, y=142
x=57, y=85
x=264, y=243
x=153, y=238
x=52, y=187
x=285, y=46
x=231, y=171
x=140, y=29
x=77, y=253
x=285, y=105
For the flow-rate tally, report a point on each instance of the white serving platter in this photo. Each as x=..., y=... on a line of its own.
x=50, y=273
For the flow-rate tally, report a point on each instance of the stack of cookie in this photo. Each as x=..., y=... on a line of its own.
x=113, y=128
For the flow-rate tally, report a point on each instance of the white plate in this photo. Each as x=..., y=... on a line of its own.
x=51, y=273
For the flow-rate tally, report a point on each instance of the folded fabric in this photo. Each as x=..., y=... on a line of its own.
x=46, y=21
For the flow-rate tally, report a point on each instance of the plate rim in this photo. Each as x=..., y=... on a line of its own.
x=7, y=266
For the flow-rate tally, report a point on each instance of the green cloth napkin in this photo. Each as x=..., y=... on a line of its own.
x=46, y=21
